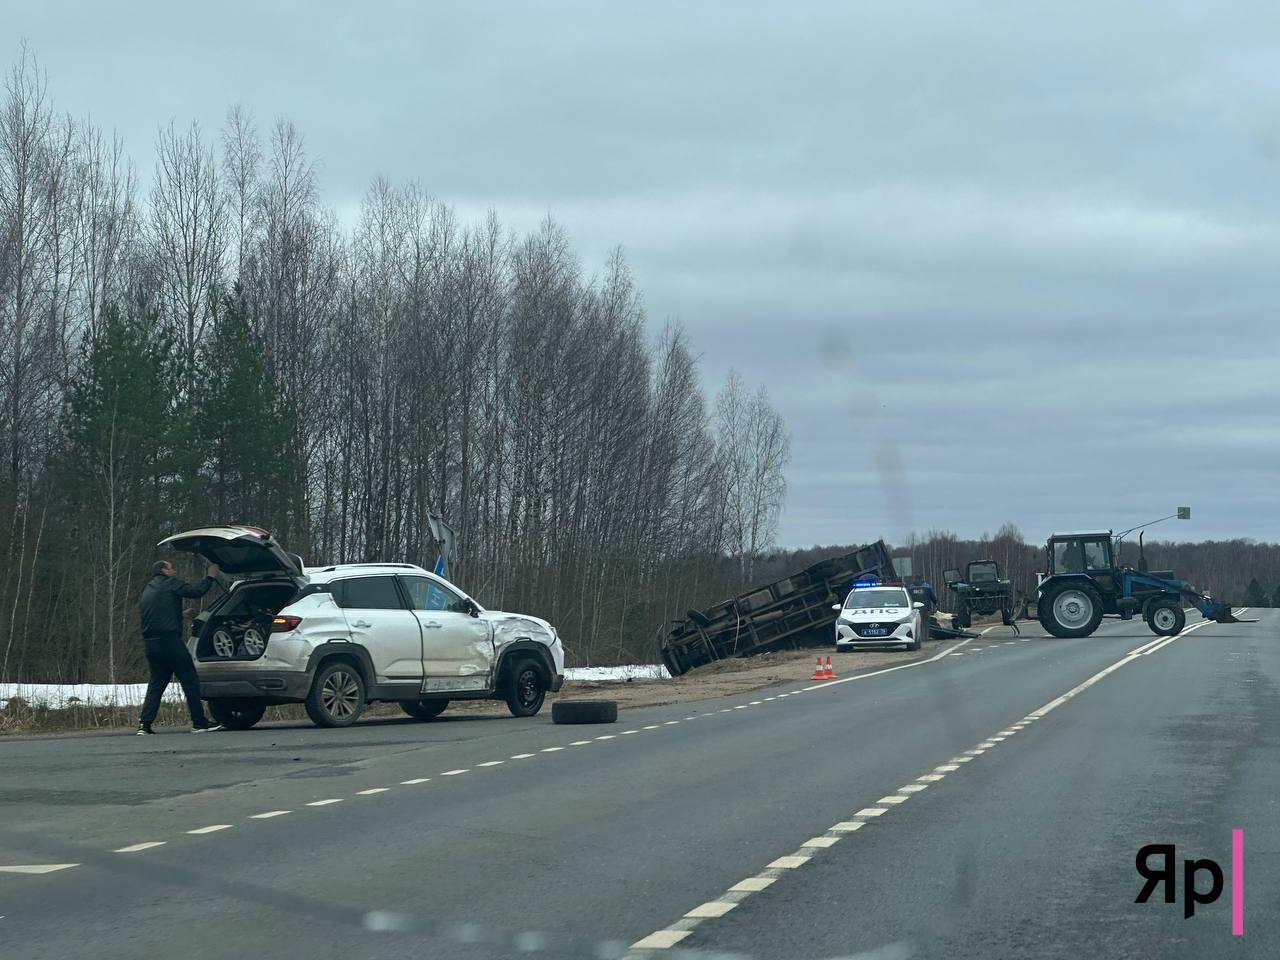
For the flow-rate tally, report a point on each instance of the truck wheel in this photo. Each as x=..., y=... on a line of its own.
x=423, y=709
x=236, y=714
x=337, y=695
x=584, y=711
x=526, y=688
x=1167, y=618
x=1071, y=610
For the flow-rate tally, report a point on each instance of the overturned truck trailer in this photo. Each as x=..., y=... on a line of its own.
x=792, y=612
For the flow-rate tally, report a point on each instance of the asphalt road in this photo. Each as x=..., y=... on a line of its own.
x=989, y=803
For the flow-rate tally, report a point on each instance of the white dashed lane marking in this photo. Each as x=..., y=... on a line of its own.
x=715, y=908
x=37, y=868
x=788, y=863
x=782, y=863
x=664, y=939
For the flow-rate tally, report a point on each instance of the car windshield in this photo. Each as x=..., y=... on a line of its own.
x=870, y=599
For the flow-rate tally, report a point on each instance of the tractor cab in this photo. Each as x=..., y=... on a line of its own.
x=1088, y=553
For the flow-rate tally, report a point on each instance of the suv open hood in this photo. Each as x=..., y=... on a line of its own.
x=239, y=551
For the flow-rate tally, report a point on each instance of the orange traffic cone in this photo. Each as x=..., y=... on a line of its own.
x=818, y=673
x=830, y=674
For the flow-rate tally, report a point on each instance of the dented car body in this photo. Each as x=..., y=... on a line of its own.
x=338, y=637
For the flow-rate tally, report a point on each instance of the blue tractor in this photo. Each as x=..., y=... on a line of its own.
x=1085, y=583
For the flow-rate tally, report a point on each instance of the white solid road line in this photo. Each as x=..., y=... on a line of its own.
x=37, y=868
x=879, y=673
x=1128, y=658
x=138, y=847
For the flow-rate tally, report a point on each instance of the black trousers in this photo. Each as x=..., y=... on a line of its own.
x=168, y=658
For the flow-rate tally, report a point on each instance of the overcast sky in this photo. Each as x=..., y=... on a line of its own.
x=994, y=261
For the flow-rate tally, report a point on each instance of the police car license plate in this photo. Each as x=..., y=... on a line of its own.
x=876, y=632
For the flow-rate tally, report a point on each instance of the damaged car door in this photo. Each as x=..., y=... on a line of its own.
x=380, y=622
x=457, y=652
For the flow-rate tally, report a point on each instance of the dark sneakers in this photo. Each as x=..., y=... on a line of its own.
x=144, y=730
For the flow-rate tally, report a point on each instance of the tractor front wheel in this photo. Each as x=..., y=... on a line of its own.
x=1070, y=610
x=1166, y=618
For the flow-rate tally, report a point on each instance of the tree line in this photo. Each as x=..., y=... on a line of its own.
x=215, y=347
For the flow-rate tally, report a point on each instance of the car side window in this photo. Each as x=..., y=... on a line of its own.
x=367, y=593
x=425, y=594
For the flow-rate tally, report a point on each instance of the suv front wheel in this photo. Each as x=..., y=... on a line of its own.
x=337, y=695
x=526, y=688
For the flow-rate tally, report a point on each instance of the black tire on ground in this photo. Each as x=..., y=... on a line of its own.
x=584, y=711
x=526, y=688
x=337, y=696
x=1167, y=618
x=1070, y=610
x=236, y=714
x=423, y=709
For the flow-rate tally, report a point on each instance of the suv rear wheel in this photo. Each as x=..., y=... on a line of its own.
x=423, y=709
x=526, y=688
x=236, y=714
x=337, y=695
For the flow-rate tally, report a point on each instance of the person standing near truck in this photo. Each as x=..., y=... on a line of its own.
x=167, y=656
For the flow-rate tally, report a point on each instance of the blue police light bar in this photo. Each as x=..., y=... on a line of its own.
x=859, y=584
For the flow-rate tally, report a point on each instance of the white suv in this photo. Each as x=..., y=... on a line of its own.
x=879, y=615
x=335, y=638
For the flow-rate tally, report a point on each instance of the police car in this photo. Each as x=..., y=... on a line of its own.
x=879, y=614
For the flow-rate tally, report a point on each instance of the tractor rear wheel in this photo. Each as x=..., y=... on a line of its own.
x=1070, y=610
x=1166, y=618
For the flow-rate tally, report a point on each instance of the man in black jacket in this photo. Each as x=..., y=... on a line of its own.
x=167, y=656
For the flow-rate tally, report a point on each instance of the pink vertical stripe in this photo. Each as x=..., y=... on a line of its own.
x=1237, y=883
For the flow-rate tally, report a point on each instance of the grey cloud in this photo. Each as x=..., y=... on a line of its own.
x=995, y=262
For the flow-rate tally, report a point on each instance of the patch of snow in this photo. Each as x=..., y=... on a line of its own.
x=59, y=695
x=650, y=671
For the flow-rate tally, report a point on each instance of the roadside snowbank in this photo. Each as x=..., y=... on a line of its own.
x=59, y=695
